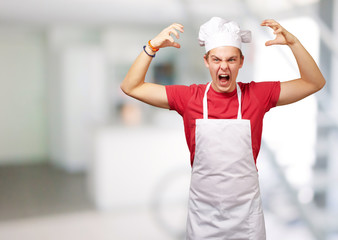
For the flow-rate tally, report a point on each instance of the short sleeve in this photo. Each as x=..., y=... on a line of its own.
x=178, y=97
x=268, y=93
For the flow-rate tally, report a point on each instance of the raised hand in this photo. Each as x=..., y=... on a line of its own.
x=283, y=37
x=164, y=38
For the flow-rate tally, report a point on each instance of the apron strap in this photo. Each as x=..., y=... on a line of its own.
x=239, y=95
x=205, y=102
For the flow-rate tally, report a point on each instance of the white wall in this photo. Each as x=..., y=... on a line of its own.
x=22, y=96
x=77, y=99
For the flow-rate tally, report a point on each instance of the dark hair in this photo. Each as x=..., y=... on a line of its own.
x=207, y=54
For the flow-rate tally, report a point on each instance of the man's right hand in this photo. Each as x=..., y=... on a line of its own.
x=134, y=85
x=164, y=38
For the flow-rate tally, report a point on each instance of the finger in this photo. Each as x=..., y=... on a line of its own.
x=269, y=43
x=264, y=22
x=275, y=41
x=270, y=23
x=174, y=32
x=171, y=39
x=176, y=26
x=173, y=43
x=179, y=27
x=267, y=21
x=176, y=45
x=279, y=30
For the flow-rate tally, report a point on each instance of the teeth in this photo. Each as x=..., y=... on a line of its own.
x=223, y=75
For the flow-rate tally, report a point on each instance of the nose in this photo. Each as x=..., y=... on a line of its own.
x=224, y=65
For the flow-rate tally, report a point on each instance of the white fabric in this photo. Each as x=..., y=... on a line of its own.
x=224, y=198
x=218, y=32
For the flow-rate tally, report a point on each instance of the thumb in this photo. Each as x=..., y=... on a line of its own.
x=269, y=43
x=176, y=45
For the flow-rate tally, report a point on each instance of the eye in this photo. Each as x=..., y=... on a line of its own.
x=215, y=59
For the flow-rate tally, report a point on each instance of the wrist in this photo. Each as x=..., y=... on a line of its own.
x=153, y=47
x=294, y=42
x=149, y=50
x=150, y=53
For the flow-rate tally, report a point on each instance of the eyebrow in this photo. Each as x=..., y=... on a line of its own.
x=234, y=56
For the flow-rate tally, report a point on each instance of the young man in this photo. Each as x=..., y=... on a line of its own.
x=223, y=124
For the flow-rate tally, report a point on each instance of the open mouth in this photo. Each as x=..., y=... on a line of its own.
x=224, y=77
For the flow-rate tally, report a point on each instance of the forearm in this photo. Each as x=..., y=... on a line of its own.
x=137, y=72
x=308, y=69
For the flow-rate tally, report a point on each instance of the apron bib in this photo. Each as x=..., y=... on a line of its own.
x=224, y=198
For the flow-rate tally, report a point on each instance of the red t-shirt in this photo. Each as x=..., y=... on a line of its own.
x=257, y=99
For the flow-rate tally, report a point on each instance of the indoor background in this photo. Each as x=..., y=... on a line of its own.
x=80, y=160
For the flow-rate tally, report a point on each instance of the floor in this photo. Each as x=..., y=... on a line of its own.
x=40, y=190
x=44, y=203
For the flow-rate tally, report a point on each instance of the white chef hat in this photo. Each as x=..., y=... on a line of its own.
x=218, y=32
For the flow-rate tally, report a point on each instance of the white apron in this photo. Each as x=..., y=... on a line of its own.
x=224, y=198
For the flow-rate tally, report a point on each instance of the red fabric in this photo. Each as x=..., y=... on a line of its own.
x=257, y=99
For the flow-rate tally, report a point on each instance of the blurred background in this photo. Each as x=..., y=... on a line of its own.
x=80, y=160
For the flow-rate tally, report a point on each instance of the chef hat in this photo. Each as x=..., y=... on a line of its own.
x=218, y=32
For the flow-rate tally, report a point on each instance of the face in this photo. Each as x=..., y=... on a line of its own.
x=224, y=64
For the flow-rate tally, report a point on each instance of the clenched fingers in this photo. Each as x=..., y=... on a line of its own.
x=282, y=35
x=272, y=24
x=174, y=28
x=165, y=38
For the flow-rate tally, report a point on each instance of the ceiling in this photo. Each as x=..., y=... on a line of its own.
x=98, y=12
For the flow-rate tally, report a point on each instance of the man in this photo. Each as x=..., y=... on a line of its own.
x=223, y=124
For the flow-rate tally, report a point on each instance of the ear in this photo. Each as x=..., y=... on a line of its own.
x=206, y=61
x=242, y=62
